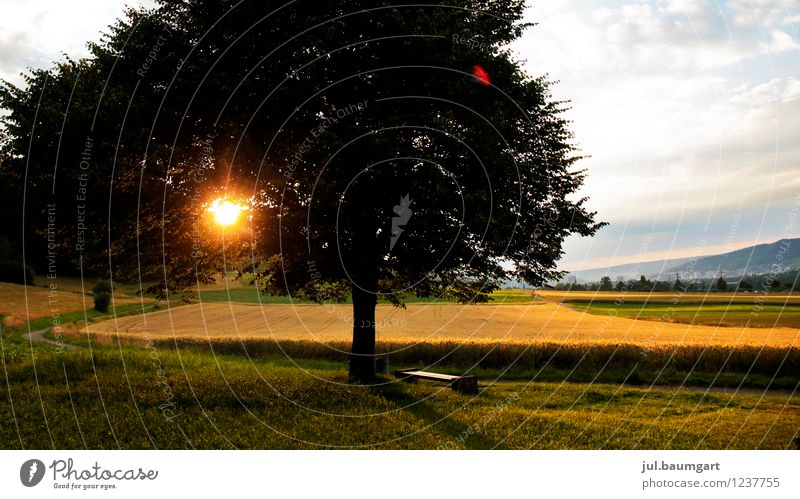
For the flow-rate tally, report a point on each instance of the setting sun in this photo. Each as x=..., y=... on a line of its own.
x=225, y=212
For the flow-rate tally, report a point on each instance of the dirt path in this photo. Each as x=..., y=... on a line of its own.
x=562, y=304
x=39, y=336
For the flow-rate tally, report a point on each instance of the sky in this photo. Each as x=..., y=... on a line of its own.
x=688, y=111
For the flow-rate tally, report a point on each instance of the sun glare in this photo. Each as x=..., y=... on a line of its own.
x=225, y=212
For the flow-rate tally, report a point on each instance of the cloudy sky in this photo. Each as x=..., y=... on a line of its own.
x=689, y=109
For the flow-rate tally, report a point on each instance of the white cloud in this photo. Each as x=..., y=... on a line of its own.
x=780, y=42
x=763, y=14
x=680, y=108
x=34, y=33
x=682, y=6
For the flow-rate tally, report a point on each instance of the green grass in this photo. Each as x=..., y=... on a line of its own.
x=192, y=394
x=123, y=396
x=711, y=314
x=514, y=296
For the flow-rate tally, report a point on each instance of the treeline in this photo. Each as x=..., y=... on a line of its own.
x=779, y=282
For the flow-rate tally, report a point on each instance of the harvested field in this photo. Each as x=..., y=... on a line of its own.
x=19, y=304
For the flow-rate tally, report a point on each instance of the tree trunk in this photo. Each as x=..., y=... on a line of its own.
x=362, y=356
x=365, y=296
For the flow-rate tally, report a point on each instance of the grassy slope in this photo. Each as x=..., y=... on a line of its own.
x=714, y=309
x=712, y=314
x=115, y=393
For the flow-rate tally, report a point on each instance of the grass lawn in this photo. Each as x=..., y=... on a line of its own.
x=713, y=309
x=122, y=396
x=164, y=392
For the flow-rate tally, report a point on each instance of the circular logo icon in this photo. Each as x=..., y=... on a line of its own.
x=31, y=472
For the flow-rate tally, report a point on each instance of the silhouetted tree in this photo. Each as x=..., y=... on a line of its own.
x=374, y=162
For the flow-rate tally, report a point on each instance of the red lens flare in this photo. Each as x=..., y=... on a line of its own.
x=481, y=76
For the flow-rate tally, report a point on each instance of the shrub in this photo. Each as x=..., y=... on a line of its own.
x=102, y=286
x=16, y=272
x=102, y=301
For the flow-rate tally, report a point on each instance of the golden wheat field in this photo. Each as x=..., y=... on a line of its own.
x=537, y=322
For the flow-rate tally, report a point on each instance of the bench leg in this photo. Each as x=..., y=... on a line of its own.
x=466, y=384
x=406, y=378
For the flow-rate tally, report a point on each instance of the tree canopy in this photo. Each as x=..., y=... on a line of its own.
x=380, y=150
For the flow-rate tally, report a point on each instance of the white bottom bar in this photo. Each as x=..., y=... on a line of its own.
x=403, y=474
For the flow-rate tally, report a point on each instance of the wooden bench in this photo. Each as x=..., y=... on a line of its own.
x=463, y=384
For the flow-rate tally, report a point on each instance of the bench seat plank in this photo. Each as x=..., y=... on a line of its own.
x=465, y=384
x=432, y=376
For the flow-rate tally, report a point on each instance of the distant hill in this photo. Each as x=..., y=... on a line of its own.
x=756, y=259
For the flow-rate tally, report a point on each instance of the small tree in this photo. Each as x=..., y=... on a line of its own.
x=102, y=295
x=102, y=301
x=605, y=284
x=721, y=284
x=102, y=286
x=678, y=286
x=661, y=286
